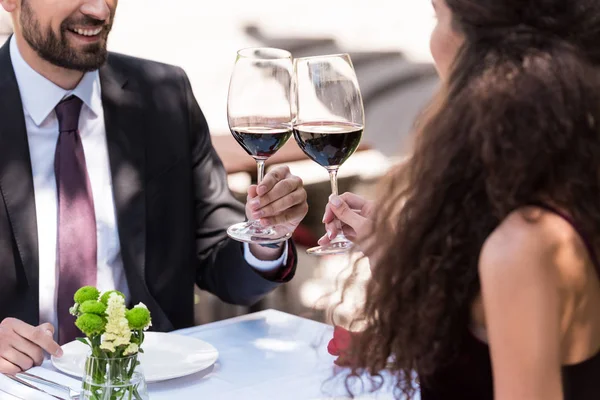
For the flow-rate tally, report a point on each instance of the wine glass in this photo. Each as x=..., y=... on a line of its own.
x=260, y=119
x=329, y=121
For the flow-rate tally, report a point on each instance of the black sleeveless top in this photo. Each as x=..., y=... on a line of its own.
x=470, y=376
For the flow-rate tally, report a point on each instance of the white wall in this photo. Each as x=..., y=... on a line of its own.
x=5, y=23
x=203, y=36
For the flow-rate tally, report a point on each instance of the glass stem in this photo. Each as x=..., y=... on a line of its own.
x=334, y=190
x=333, y=180
x=260, y=174
x=260, y=171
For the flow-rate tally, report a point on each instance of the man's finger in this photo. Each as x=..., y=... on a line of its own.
x=41, y=335
x=28, y=348
x=251, y=200
x=280, y=205
x=291, y=216
x=277, y=174
x=7, y=367
x=343, y=212
x=17, y=358
x=252, y=192
x=47, y=327
x=279, y=191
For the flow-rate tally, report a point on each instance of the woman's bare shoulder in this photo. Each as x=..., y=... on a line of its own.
x=538, y=241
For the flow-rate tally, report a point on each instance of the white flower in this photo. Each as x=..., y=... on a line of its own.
x=131, y=349
x=117, y=331
x=140, y=304
x=107, y=345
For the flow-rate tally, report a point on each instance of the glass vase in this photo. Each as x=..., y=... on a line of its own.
x=113, y=379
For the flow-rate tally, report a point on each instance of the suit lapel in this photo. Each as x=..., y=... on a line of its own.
x=124, y=135
x=125, y=127
x=16, y=180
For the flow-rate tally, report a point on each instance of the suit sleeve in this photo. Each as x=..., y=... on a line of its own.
x=222, y=268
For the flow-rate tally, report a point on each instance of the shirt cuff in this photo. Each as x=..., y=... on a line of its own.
x=265, y=266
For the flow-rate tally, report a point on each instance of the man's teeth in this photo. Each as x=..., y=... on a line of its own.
x=88, y=32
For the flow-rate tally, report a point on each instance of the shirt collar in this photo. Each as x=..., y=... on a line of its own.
x=40, y=96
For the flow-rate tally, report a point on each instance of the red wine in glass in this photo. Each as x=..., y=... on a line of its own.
x=261, y=142
x=328, y=143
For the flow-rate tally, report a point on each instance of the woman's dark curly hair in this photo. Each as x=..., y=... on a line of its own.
x=516, y=123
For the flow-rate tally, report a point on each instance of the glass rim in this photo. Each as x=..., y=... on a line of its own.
x=345, y=55
x=278, y=54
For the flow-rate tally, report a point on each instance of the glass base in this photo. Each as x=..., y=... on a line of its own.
x=336, y=247
x=253, y=232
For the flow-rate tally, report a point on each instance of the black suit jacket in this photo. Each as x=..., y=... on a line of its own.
x=171, y=196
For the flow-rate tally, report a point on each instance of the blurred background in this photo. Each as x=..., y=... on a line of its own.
x=388, y=41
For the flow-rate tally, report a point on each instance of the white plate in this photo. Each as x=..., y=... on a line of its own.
x=166, y=356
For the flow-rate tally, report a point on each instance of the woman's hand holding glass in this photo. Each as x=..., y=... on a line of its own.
x=354, y=212
x=329, y=122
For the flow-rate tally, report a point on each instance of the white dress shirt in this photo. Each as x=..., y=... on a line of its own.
x=40, y=96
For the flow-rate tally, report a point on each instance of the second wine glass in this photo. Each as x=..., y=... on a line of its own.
x=329, y=121
x=260, y=119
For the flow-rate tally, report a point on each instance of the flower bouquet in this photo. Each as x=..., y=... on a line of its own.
x=115, y=336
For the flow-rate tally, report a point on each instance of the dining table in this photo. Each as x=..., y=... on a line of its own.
x=264, y=355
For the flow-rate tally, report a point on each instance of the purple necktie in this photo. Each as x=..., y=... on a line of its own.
x=76, y=244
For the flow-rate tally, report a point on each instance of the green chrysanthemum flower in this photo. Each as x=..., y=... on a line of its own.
x=86, y=293
x=138, y=317
x=106, y=296
x=90, y=324
x=93, y=307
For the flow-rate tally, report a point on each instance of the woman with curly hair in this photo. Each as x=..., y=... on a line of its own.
x=485, y=244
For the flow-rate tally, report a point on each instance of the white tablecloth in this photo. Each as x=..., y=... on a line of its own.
x=265, y=355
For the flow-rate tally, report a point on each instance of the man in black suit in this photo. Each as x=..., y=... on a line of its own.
x=108, y=177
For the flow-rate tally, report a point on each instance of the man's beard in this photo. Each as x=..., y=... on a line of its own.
x=56, y=49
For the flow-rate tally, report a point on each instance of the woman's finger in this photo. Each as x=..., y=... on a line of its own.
x=345, y=214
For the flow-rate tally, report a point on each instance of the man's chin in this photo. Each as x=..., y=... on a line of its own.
x=86, y=57
x=84, y=62
x=91, y=64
